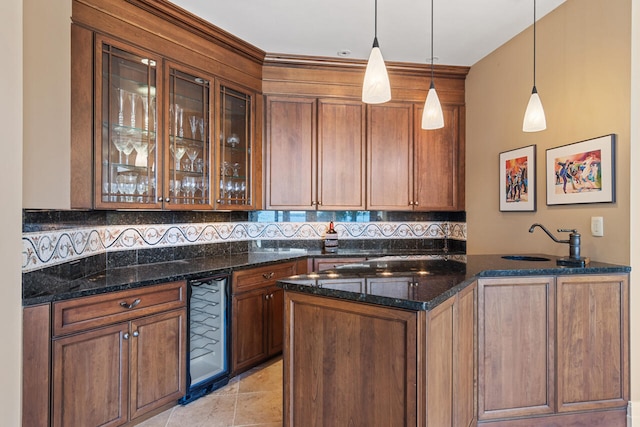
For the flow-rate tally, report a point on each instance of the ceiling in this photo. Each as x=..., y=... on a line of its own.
x=465, y=31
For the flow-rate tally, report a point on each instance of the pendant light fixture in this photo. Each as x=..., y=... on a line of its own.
x=432, y=117
x=534, y=119
x=376, y=88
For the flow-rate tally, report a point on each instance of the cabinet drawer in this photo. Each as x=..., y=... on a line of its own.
x=321, y=264
x=90, y=312
x=255, y=278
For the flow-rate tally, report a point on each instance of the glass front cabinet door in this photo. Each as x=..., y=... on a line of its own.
x=126, y=168
x=234, y=159
x=188, y=150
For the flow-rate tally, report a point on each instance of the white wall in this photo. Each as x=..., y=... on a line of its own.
x=10, y=213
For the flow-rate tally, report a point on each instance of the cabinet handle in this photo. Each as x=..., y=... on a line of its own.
x=126, y=335
x=124, y=304
x=135, y=333
x=268, y=276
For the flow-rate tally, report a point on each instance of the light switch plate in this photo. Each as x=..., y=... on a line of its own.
x=597, y=226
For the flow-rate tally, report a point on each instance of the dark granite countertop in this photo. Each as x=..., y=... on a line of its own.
x=41, y=287
x=423, y=282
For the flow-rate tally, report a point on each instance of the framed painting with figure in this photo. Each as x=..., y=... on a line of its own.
x=518, y=180
x=582, y=172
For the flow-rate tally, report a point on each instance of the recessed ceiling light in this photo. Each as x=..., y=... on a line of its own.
x=344, y=52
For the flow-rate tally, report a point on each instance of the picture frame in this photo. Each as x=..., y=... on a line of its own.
x=582, y=172
x=518, y=180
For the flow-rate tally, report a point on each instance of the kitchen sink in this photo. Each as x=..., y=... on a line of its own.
x=525, y=258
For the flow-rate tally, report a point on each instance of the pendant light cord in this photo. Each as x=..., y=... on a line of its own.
x=432, y=42
x=534, y=44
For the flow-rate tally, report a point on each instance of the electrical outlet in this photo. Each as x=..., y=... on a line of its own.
x=597, y=226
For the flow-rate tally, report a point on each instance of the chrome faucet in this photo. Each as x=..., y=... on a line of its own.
x=573, y=240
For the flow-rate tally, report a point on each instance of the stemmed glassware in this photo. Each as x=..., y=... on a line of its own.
x=127, y=186
x=192, y=153
x=189, y=186
x=127, y=149
x=178, y=151
x=193, y=124
x=203, y=185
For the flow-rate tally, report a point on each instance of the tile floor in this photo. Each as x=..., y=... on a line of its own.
x=253, y=398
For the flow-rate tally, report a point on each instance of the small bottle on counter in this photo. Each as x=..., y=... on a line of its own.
x=331, y=239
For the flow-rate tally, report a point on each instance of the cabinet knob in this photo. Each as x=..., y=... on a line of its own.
x=313, y=203
x=266, y=296
x=268, y=276
x=166, y=200
x=135, y=333
x=126, y=335
x=160, y=199
x=416, y=203
x=319, y=202
x=124, y=304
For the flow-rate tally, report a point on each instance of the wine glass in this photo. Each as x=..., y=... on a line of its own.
x=201, y=126
x=203, y=185
x=142, y=152
x=236, y=170
x=193, y=124
x=192, y=153
x=142, y=187
x=121, y=95
x=178, y=151
x=120, y=144
x=132, y=97
x=229, y=190
x=127, y=149
x=189, y=186
x=127, y=186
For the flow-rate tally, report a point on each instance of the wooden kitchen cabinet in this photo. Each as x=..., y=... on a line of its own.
x=315, y=154
x=257, y=314
x=423, y=360
x=123, y=352
x=163, y=135
x=593, y=342
x=321, y=264
x=516, y=330
x=438, y=162
x=414, y=169
x=36, y=370
x=553, y=348
x=390, y=156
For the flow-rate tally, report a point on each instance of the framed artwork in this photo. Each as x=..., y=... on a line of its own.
x=582, y=172
x=518, y=180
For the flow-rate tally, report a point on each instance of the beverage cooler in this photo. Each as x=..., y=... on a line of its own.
x=209, y=331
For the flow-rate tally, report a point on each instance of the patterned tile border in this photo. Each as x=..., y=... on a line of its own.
x=48, y=248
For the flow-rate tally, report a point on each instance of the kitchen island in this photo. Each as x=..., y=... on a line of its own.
x=457, y=341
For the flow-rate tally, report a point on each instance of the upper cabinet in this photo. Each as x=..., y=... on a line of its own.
x=148, y=131
x=315, y=154
x=325, y=149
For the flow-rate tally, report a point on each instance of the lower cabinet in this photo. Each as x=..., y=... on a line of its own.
x=553, y=347
x=350, y=363
x=129, y=359
x=257, y=311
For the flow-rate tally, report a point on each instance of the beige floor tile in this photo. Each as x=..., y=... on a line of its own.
x=208, y=411
x=251, y=399
x=259, y=407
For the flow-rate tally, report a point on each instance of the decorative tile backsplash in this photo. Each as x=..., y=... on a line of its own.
x=46, y=248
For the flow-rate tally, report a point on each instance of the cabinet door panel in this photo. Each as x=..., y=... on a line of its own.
x=291, y=153
x=516, y=341
x=389, y=153
x=92, y=364
x=276, y=321
x=341, y=155
x=248, y=340
x=158, y=364
x=592, y=354
x=436, y=163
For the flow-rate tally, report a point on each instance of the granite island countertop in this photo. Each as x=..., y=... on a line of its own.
x=42, y=286
x=416, y=282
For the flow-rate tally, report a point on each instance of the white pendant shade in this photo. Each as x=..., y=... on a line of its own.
x=534, y=119
x=376, y=88
x=432, y=117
